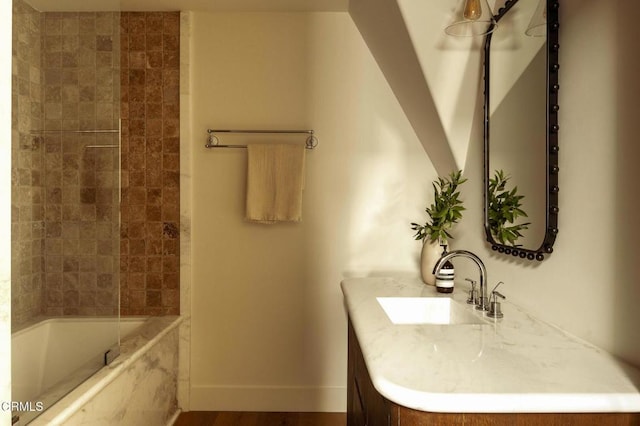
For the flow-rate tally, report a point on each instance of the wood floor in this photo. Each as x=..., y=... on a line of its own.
x=237, y=418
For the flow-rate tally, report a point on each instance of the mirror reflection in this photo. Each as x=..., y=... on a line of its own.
x=518, y=130
x=520, y=133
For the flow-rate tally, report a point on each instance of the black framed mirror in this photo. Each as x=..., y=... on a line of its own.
x=521, y=129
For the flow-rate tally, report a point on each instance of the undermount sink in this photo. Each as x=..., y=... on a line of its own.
x=427, y=310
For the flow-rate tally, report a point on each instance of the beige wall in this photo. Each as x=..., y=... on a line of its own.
x=269, y=328
x=589, y=286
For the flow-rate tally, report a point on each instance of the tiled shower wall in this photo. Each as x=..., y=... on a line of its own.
x=150, y=83
x=27, y=197
x=65, y=236
x=80, y=60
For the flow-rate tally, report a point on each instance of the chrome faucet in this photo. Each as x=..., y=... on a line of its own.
x=482, y=304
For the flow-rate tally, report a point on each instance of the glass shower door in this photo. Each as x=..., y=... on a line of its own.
x=65, y=201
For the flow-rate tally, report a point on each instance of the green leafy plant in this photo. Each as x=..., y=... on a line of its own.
x=505, y=206
x=445, y=211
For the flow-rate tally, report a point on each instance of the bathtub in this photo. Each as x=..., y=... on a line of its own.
x=44, y=369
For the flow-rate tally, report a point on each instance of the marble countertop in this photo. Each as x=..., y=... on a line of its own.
x=514, y=364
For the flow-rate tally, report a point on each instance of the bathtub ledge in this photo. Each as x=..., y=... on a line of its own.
x=132, y=347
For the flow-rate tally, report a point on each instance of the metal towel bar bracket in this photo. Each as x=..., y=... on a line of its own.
x=213, y=141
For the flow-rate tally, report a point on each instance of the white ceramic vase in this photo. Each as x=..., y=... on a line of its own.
x=431, y=252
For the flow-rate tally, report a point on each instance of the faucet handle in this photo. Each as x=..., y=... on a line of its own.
x=495, y=309
x=473, y=293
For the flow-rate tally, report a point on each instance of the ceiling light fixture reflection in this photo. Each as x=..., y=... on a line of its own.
x=476, y=19
x=538, y=25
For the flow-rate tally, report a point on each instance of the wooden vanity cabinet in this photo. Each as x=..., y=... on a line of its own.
x=366, y=407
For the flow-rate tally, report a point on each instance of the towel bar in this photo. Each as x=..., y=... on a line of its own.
x=213, y=142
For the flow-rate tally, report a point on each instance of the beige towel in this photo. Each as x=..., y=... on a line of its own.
x=275, y=178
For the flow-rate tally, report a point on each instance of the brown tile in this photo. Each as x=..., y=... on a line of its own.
x=104, y=298
x=104, y=43
x=171, y=95
x=171, y=110
x=137, y=195
x=124, y=247
x=106, y=23
x=137, y=264
x=154, y=264
x=155, y=310
x=155, y=77
x=170, y=247
x=124, y=23
x=154, y=176
x=154, y=128
x=170, y=59
x=154, y=110
x=153, y=213
x=137, y=77
x=87, y=299
x=88, y=195
x=136, y=94
x=105, y=264
x=170, y=230
x=71, y=299
x=137, y=42
x=136, y=299
x=170, y=297
x=136, y=248
x=135, y=280
x=138, y=110
x=52, y=24
x=137, y=60
x=137, y=127
x=154, y=59
x=171, y=23
x=137, y=178
x=136, y=23
x=170, y=264
x=138, y=145
x=171, y=280
x=171, y=145
x=171, y=179
x=153, y=298
x=171, y=128
x=170, y=212
x=171, y=42
x=154, y=230
x=154, y=247
x=136, y=230
x=124, y=300
x=154, y=94
x=70, y=24
x=137, y=213
x=154, y=196
x=105, y=247
x=154, y=42
x=153, y=281
x=154, y=22
x=104, y=212
x=105, y=281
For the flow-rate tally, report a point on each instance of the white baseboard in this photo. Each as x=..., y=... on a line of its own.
x=268, y=398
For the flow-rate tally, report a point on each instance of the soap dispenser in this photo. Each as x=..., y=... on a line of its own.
x=444, y=277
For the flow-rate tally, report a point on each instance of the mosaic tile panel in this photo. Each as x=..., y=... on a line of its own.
x=150, y=244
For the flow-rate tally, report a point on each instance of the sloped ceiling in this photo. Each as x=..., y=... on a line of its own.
x=383, y=28
x=452, y=67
